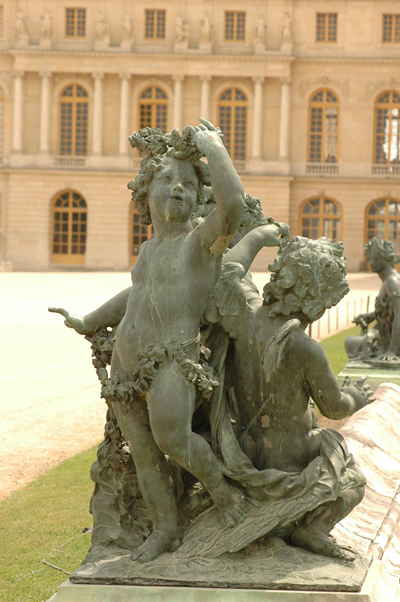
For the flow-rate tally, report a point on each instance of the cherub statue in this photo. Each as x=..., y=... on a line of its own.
x=272, y=372
x=381, y=343
x=157, y=375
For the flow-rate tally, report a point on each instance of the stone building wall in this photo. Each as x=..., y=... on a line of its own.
x=277, y=76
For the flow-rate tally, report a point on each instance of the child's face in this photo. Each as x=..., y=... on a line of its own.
x=376, y=261
x=173, y=191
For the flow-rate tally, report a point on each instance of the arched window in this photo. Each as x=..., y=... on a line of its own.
x=387, y=128
x=69, y=228
x=139, y=233
x=321, y=216
x=323, y=116
x=382, y=219
x=153, y=109
x=232, y=112
x=1, y=121
x=74, y=110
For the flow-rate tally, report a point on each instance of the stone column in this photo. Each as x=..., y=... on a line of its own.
x=124, y=114
x=205, y=97
x=18, y=112
x=257, y=118
x=97, y=114
x=45, y=111
x=177, y=111
x=284, y=131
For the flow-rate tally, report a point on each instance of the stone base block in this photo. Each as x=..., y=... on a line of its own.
x=371, y=591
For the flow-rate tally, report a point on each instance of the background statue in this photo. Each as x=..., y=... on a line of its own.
x=127, y=33
x=47, y=27
x=287, y=33
x=260, y=32
x=381, y=343
x=207, y=30
x=101, y=35
x=21, y=34
x=182, y=32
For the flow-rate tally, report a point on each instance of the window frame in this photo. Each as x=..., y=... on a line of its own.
x=321, y=215
x=74, y=102
x=68, y=258
x=394, y=28
x=390, y=106
x=326, y=27
x=324, y=105
x=229, y=139
x=141, y=234
x=76, y=11
x=235, y=39
x=157, y=13
x=386, y=218
x=153, y=102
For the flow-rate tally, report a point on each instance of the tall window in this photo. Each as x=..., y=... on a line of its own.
x=69, y=221
x=74, y=108
x=1, y=121
x=391, y=28
x=154, y=28
x=321, y=216
x=323, y=127
x=232, y=112
x=75, y=22
x=387, y=128
x=153, y=109
x=326, y=27
x=139, y=233
x=382, y=220
x=235, y=26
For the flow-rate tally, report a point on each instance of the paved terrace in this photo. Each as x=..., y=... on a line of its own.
x=49, y=394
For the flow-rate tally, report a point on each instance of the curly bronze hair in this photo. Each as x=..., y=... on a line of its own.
x=308, y=276
x=384, y=248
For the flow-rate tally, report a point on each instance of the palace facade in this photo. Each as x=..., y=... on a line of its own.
x=306, y=92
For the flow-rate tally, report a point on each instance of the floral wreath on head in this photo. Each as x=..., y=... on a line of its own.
x=156, y=145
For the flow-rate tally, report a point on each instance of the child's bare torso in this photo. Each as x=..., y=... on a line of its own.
x=172, y=284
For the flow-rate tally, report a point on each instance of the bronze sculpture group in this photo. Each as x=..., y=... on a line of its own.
x=212, y=387
x=379, y=345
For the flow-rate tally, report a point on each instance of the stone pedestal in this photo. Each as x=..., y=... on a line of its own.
x=377, y=374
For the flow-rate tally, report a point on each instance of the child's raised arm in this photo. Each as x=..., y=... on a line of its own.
x=266, y=235
x=221, y=225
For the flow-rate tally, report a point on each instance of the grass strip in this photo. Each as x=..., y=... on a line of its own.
x=45, y=520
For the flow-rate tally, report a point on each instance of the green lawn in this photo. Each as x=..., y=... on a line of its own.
x=46, y=519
